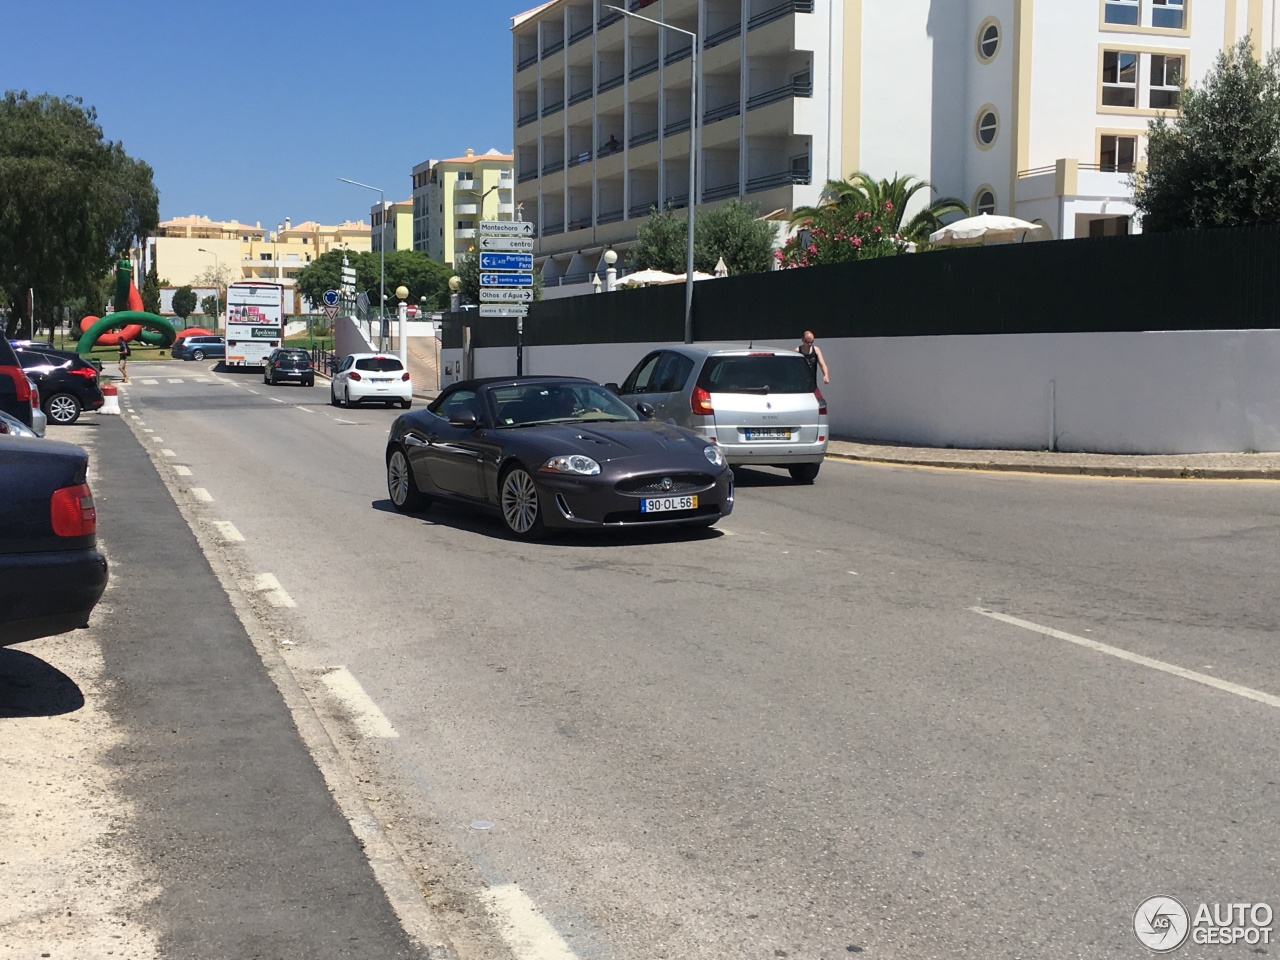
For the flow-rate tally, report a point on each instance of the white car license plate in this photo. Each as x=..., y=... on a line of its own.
x=379, y=379
x=768, y=433
x=663, y=504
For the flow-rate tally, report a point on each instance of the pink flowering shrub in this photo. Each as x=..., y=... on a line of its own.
x=838, y=233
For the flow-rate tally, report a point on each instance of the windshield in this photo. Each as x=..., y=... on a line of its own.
x=771, y=373
x=532, y=403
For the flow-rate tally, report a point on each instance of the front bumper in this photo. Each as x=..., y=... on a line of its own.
x=576, y=502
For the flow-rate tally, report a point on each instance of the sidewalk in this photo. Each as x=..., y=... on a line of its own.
x=1185, y=466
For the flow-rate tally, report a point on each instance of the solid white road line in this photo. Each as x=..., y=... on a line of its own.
x=271, y=591
x=369, y=720
x=200, y=493
x=228, y=530
x=182, y=471
x=1224, y=685
x=526, y=931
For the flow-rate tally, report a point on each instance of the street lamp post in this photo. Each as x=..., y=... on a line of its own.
x=382, y=253
x=402, y=317
x=217, y=286
x=693, y=157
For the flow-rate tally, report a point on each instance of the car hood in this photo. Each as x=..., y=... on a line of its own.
x=608, y=442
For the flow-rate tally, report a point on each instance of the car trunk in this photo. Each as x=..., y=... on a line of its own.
x=764, y=418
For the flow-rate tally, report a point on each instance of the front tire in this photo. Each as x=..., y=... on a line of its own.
x=333, y=397
x=401, y=487
x=521, y=511
x=62, y=408
x=804, y=472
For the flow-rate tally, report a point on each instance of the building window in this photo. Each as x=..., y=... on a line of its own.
x=1122, y=12
x=988, y=40
x=984, y=201
x=1166, y=81
x=466, y=224
x=264, y=256
x=1119, y=79
x=1117, y=153
x=1168, y=14
x=986, y=127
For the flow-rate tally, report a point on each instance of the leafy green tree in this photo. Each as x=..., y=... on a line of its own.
x=731, y=230
x=184, y=302
x=1218, y=164
x=887, y=202
x=59, y=178
x=151, y=291
x=662, y=243
x=323, y=273
x=209, y=306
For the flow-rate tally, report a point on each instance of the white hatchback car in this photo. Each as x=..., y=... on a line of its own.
x=375, y=377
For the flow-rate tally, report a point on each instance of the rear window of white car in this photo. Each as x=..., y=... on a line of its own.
x=760, y=373
x=378, y=364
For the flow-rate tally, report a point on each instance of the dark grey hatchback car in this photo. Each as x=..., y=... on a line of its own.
x=289, y=363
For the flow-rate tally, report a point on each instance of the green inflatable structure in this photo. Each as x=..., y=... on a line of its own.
x=157, y=331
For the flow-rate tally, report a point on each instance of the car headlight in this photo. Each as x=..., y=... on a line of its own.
x=577, y=464
x=712, y=453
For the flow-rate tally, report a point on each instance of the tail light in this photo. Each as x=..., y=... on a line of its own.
x=72, y=512
x=355, y=376
x=35, y=395
x=87, y=372
x=21, y=385
x=277, y=364
x=700, y=402
x=405, y=376
x=822, y=403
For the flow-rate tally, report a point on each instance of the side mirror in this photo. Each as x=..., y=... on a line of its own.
x=465, y=419
x=612, y=387
x=645, y=409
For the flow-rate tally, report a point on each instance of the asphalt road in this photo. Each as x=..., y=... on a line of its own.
x=804, y=733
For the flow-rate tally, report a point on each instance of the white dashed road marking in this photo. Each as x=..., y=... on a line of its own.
x=200, y=493
x=149, y=382
x=271, y=591
x=369, y=720
x=305, y=410
x=182, y=471
x=227, y=530
x=255, y=393
x=277, y=400
x=1248, y=693
x=526, y=931
x=167, y=453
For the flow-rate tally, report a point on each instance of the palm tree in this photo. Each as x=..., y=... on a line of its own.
x=863, y=192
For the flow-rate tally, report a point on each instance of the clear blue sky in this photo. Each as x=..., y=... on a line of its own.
x=252, y=110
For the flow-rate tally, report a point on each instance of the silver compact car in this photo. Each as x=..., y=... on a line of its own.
x=761, y=405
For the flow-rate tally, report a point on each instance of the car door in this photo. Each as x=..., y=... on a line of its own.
x=636, y=386
x=340, y=375
x=666, y=387
x=443, y=456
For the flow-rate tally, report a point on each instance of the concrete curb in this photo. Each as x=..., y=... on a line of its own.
x=1075, y=470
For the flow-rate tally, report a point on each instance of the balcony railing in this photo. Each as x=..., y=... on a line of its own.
x=610, y=83
x=641, y=209
x=677, y=202
x=527, y=62
x=611, y=216
x=551, y=229
x=720, y=113
x=644, y=68
x=555, y=46
x=580, y=96
x=639, y=139
x=551, y=108
x=800, y=87
x=675, y=126
x=722, y=36
x=527, y=175
x=553, y=166
x=580, y=34
x=675, y=56
x=607, y=19
x=582, y=223
x=785, y=179
x=719, y=193
x=526, y=118
x=580, y=158
x=780, y=11
x=610, y=148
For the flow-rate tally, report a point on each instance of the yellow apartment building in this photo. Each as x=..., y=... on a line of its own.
x=398, y=229
x=451, y=196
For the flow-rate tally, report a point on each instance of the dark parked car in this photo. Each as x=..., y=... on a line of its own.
x=51, y=571
x=18, y=396
x=289, y=363
x=554, y=452
x=199, y=347
x=68, y=383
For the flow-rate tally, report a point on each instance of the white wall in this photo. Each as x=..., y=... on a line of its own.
x=1184, y=392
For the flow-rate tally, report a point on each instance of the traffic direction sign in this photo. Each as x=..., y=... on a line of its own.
x=506, y=279
x=506, y=295
x=508, y=244
x=331, y=298
x=505, y=228
x=522, y=262
x=504, y=310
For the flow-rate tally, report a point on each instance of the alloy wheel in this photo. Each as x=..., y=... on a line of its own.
x=519, y=502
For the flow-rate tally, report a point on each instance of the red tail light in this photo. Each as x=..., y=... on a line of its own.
x=405, y=376
x=87, y=372
x=21, y=385
x=277, y=364
x=355, y=376
x=700, y=402
x=72, y=512
x=822, y=403
x=35, y=396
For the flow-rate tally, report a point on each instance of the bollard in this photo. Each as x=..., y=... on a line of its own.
x=110, y=400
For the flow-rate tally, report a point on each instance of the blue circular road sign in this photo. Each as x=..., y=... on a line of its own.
x=331, y=298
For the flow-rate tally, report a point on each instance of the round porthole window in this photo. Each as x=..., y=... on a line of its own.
x=985, y=201
x=988, y=40
x=986, y=127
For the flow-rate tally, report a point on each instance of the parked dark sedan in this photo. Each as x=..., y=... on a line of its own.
x=18, y=395
x=51, y=571
x=289, y=363
x=68, y=383
x=554, y=452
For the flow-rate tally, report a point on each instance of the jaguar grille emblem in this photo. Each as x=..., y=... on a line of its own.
x=667, y=484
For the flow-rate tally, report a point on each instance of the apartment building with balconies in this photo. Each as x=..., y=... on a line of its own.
x=392, y=224
x=450, y=197
x=1035, y=108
